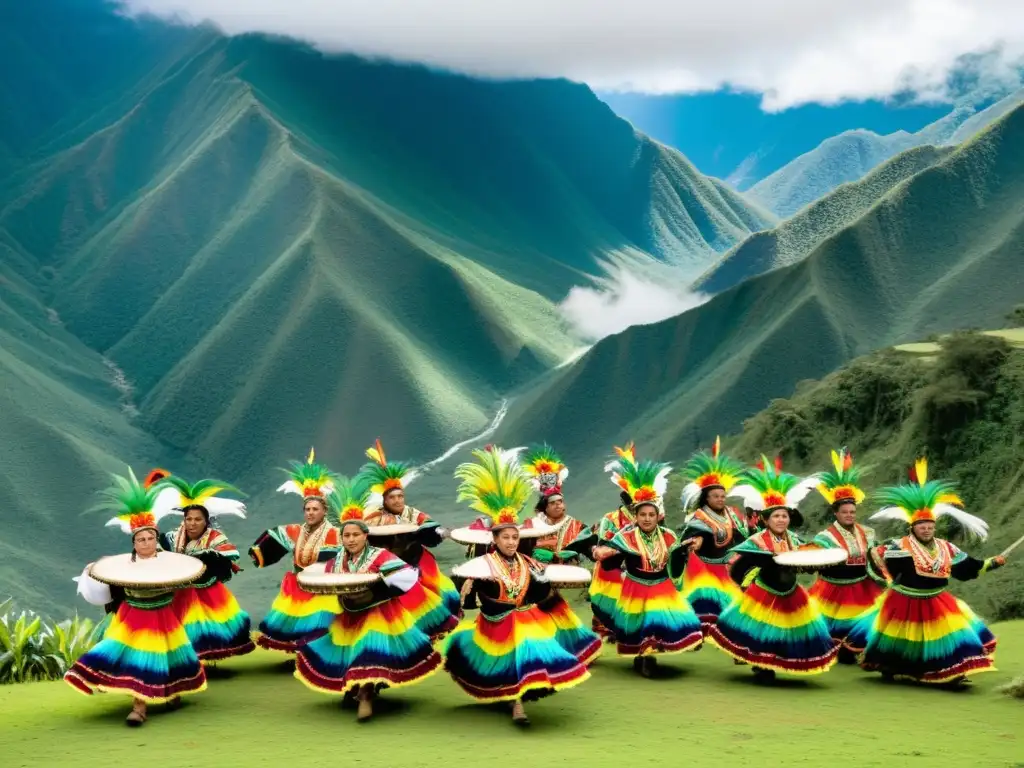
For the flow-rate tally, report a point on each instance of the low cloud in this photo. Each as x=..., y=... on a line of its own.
x=791, y=51
x=624, y=301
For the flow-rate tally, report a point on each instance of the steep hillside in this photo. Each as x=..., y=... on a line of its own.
x=796, y=237
x=850, y=155
x=944, y=253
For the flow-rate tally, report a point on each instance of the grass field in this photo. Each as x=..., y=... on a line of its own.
x=255, y=712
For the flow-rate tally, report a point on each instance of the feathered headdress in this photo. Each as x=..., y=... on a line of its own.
x=348, y=500
x=176, y=494
x=625, y=455
x=310, y=479
x=386, y=475
x=709, y=470
x=841, y=484
x=494, y=486
x=545, y=470
x=644, y=481
x=923, y=500
x=765, y=487
x=132, y=502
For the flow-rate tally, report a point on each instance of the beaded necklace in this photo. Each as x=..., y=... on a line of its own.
x=361, y=561
x=937, y=564
x=855, y=542
x=513, y=575
x=652, y=547
x=307, y=547
x=721, y=525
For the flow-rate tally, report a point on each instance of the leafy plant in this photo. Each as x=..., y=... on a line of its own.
x=33, y=649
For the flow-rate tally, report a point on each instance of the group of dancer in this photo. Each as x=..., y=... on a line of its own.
x=726, y=577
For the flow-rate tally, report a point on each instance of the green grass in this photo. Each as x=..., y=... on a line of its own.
x=703, y=702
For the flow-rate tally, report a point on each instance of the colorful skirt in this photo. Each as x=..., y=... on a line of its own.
x=843, y=604
x=295, y=617
x=428, y=611
x=931, y=639
x=144, y=653
x=434, y=579
x=708, y=589
x=380, y=646
x=570, y=633
x=512, y=656
x=654, y=617
x=215, y=623
x=784, y=633
x=605, y=588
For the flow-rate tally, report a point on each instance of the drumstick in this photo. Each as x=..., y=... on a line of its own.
x=1012, y=547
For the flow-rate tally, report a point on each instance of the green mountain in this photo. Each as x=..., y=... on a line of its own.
x=217, y=252
x=940, y=252
x=851, y=155
x=796, y=237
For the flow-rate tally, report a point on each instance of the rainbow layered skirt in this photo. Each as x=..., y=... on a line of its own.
x=295, y=617
x=215, y=623
x=605, y=588
x=144, y=653
x=511, y=656
x=781, y=632
x=708, y=589
x=842, y=604
x=379, y=645
x=927, y=637
x=428, y=611
x=581, y=642
x=434, y=580
x=654, y=617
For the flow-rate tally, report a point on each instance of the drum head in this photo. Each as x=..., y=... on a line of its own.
x=336, y=583
x=166, y=569
x=812, y=558
x=477, y=568
x=536, y=530
x=471, y=536
x=396, y=529
x=565, y=576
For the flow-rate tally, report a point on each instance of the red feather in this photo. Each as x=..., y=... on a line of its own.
x=778, y=463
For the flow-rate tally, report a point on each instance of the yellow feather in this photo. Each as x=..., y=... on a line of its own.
x=837, y=462
x=922, y=471
x=311, y=457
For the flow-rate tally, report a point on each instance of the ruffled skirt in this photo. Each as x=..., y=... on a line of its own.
x=605, y=588
x=512, y=656
x=144, y=653
x=932, y=639
x=843, y=604
x=428, y=611
x=295, y=617
x=215, y=623
x=380, y=646
x=654, y=617
x=708, y=589
x=784, y=633
x=435, y=580
x=570, y=633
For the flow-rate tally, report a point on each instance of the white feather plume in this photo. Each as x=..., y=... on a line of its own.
x=890, y=513
x=290, y=486
x=750, y=495
x=218, y=507
x=799, y=491
x=690, y=495
x=167, y=501
x=660, y=483
x=971, y=523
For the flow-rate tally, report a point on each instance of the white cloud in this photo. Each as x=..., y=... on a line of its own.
x=792, y=51
x=625, y=300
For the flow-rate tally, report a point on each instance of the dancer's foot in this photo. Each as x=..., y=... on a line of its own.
x=365, y=710
x=519, y=714
x=138, y=714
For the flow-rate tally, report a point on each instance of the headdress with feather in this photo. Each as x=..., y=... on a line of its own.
x=645, y=481
x=176, y=495
x=709, y=470
x=494, y=486
x=132, y=502
x=386, y=475
x=623, y=456
x=349, y=499
x=923, y=500
x=310, y=479
x=840, y=484
x=765, y=487
x=545, y=471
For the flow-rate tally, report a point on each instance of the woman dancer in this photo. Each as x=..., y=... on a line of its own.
x=295, y=615
x=650, y=615
x=407, y=533
x=774, y=626
x=215, y=623
x=920, y=631
x=713, y=529
x=145, y=652
x=373, y=643
x=844, y=593
x=510, y=652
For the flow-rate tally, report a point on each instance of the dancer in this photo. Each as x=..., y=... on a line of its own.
x=844, y=593
x=373, y=643
x=510, y=651
x=713, y=529
x=295, y=615
x=215, y=623
x=606, y=586
x=387, y=507
x=145, y=651
x=773, y=626
x=920, y=631
x=650, y=615
x=570, y=539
